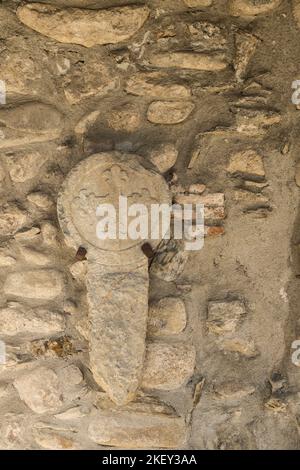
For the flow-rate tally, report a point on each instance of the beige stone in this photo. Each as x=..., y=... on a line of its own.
x=198, y=3
x=79, y=270
x=164, y=157
x=40, y=390
x=154, y=85
x=49, y=233
x=297, y=174
x=35, y=257
x=169, y=112
x=6, y=260
x=125, y=119
x=197, y=188
x=167, y=317
x=248, y=164
x=25, y=70
x=86, y=122
x=250, y=198
x=117, y=278
x=224, y=317
x=255, y=122
x=46, y=284
x=40, y=200
x=28, y=235
x=51, y=439
x=70, y=375
x=170, y=260
x=168, y=366
x=12, y=219
x=187, y=60
x=209, y=200
x=234, y=390
x=2, y=173
x=85, y=27
x=142, y=429
x=241, y=346
x=17, y=320
x=246, y=45
x=89, y=78
x=252, y=7
x=296, y=11
x=25, y=166
x=29, y=123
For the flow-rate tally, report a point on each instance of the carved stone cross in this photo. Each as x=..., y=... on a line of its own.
x=117, y=279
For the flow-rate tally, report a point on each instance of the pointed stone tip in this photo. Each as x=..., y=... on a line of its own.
x=118, y=394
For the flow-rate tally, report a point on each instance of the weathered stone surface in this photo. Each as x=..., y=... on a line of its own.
x=25, y=70
x=214, y=206
x=2, y=173
x=35, y=257
x=256, y=122
x=118, y=320
x=245, y=48
x=248, y=198
x=29, y=123
x=233, y=390
x=86, y=122
x=89, y=78
x=12, y=219
x=168, y=366
x=79, y=270
x=224, y=317
x=15, y=434
x=254, y=186
x=25, y=165
x=46, y=284
x=26, y=235
x=6, y=260
x=197, y=188
x=198, y=3
x=51, y=439
x=40, y=200
x=153, y=85
x=85, y=27
x=118, y=317
x=240, y=346
x=17, y=320
x=248, y=164
x=164, y=157
x=145, y=427
x=252, y=7
x=169, y=260
x=297, y=174
x=208, y=200
x=169, y=112
x=126, y=119
x=40, y=390
x=49, y=233
x=296, y=11
x=185, y=60
x=167, y=317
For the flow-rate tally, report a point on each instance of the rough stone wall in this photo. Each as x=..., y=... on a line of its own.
x=199, y=86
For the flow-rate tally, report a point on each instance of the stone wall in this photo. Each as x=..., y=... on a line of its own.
x=202, y=89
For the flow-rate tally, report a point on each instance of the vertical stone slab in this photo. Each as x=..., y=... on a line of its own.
x=117, y=278
x=118, y=310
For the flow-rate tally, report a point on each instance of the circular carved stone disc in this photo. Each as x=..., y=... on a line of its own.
x=102, y=179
